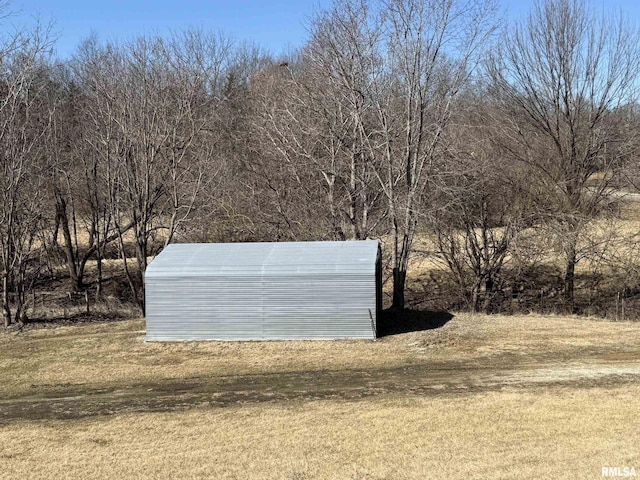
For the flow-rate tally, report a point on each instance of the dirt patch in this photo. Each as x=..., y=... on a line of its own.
x=99, y=369
x=72, y=401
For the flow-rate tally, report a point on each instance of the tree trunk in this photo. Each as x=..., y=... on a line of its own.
x=488, y=293
x=99, y=280
x=475, y=297
x=399, y=280
x=56, y=229
x=353, y=201
x=63, y=220
x=20, y=315
x=142, y=250
x=6, y=310
x=569, y=276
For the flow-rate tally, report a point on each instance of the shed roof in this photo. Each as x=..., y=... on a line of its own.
x=265, y=258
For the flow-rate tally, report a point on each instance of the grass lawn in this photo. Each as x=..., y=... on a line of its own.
x=479, y=397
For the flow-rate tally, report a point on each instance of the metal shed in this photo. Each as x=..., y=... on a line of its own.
x=264, y=291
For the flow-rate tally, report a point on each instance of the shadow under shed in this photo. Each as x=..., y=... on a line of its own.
x=394, y=322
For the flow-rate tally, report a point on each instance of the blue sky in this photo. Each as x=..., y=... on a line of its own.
x=277, y=25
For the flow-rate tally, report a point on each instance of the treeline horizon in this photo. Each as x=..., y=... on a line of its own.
x=494, y=149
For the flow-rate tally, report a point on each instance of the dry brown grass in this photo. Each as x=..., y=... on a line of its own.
x=509, y=434
x=98, y=354
x=480, y=397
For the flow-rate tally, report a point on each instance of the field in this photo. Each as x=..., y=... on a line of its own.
x=459, y=396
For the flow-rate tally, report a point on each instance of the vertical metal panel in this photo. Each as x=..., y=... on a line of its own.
x=263, y=291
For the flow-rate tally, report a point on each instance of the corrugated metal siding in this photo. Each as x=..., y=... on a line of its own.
x=262, y=291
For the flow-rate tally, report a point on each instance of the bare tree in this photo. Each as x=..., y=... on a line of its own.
x=25, y=119
x=403, y=63
x=81, y=210
x=235, y=205
x=559, y=77
x=151, y=104
x=481, y=206
x=304, y=121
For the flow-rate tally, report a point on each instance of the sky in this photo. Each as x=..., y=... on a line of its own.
x=276, y=25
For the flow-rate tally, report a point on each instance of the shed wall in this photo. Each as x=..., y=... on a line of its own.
x=269, y=304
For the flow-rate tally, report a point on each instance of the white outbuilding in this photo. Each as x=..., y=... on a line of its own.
x=264, y=291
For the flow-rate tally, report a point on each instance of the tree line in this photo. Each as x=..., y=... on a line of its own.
x=428, y=124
